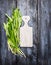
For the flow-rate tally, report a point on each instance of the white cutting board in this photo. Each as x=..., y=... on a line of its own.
x=26, y=33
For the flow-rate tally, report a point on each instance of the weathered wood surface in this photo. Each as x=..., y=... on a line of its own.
x=6, y=57
x=40, y=14
x=28, y=7
x=43, y=28
x=49, y=34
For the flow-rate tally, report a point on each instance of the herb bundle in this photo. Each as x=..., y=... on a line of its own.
x=12, y=28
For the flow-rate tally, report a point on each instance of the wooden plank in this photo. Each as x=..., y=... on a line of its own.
x=7, y=57
x=22, y=6
x=43, y=21
x=0, y=39
x=49, y=34
x=28, y=7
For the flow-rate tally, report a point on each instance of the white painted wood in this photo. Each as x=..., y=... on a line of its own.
x=26, y=33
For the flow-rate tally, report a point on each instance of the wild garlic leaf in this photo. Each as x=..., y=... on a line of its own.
x=12, y=28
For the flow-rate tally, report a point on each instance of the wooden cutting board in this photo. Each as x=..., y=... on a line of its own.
x=26, y=33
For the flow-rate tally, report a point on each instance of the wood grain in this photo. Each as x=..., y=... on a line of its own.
x=40, y=20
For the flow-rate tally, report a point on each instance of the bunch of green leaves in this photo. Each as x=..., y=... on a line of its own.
x=12, y=28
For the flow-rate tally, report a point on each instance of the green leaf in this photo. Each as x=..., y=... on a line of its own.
x=12, y=28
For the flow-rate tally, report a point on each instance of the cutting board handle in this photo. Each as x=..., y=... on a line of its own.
x=26, y=19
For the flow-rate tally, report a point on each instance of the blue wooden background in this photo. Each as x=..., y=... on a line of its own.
x=40, y=13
